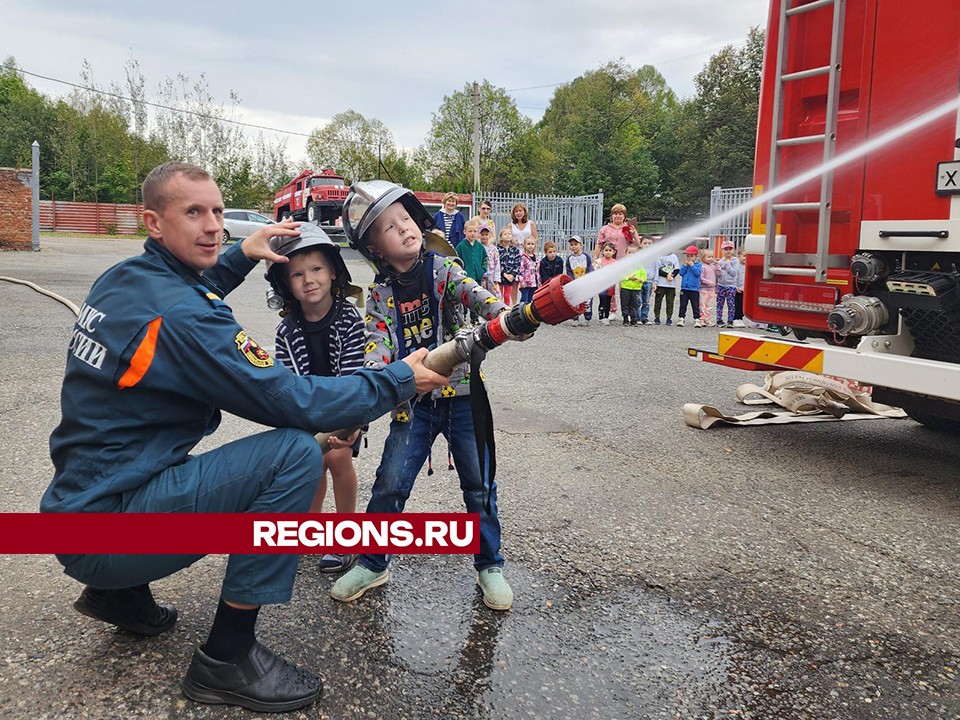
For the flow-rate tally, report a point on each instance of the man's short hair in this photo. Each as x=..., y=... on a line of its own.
x=154, y=185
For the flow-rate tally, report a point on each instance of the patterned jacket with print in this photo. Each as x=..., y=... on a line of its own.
x=454, y=291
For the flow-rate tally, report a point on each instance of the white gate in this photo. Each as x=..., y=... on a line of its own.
x=556, y=217
x=736, y=228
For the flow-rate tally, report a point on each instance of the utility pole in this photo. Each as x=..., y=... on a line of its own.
x=35, y=197
x=476, y=139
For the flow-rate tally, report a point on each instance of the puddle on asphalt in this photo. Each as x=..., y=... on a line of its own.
x=625, y=655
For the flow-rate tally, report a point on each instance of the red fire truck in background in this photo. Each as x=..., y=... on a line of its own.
x=318, y=197
x=865, y=261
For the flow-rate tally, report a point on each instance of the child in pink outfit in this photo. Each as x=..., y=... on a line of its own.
x=528, y=279
x=708, y=287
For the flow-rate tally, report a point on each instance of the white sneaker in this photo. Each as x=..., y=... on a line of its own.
x=698, y=323
x=605, y=321
x=738, y=323
x=680, y=322
x=576, y=323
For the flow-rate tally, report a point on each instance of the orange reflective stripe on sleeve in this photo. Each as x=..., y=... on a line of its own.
x=140, y=362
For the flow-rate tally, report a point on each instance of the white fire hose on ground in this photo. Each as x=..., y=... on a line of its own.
x=806, y=397
x=43, y=291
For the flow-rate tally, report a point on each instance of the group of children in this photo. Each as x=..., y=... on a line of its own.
x=420, y=298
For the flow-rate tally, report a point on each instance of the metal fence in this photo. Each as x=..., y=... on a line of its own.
x=85, y=217
x=556, y=217
x=738, y=227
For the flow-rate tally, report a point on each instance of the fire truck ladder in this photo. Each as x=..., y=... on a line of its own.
x=801, y=264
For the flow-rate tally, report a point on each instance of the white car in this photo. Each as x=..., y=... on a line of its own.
x=238, y=224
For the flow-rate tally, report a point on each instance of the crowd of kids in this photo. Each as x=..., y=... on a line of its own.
x=422, y=295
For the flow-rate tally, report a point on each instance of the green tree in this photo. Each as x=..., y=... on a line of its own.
x=447, y=153
x=602, y=131
x=353, y=145
x=717, y=128
x=25, y=116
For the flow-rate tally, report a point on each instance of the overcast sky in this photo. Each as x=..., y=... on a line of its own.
x=295, y=65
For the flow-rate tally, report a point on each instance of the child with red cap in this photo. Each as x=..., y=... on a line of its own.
x=690, y=285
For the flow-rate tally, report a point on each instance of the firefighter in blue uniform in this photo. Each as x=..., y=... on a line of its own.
x=154, y=356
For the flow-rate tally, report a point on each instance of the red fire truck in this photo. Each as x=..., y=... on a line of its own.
x=312, y=196
x=318, y=197
x=862, y=265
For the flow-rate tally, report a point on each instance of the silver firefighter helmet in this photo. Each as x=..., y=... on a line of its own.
x=367, y=200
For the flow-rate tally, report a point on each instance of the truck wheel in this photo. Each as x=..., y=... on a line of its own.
x=311, y=213
x=934, y=422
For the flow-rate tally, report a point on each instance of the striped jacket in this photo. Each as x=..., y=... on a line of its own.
x=347, y=339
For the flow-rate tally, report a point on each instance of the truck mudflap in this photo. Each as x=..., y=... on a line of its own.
x=868, y=364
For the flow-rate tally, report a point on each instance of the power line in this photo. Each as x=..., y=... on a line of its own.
x=153, y=104
x=336, y=141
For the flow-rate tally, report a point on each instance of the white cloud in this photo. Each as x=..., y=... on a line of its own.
x=295, y=66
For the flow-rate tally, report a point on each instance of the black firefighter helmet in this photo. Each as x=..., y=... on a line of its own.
x=311, y=238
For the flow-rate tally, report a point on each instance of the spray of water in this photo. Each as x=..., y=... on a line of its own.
x=582, y=289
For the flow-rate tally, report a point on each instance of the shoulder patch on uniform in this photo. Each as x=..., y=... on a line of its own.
x=252, y=351
x=214, y=299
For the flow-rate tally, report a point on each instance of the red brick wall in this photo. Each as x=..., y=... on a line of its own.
x=15, y=230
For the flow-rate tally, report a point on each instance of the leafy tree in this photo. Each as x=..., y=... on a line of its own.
x=353, y=145
x=448, y=151
x=601, y=130
x=25, y=116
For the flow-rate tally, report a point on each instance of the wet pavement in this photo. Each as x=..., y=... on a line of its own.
x=660, y=572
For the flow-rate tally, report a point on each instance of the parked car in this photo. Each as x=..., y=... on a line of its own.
x=238, y=224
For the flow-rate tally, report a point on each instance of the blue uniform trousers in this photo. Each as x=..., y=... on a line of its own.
x=271, y=472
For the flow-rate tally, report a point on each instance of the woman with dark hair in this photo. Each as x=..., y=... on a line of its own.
x=522, y=228
x=484, y=217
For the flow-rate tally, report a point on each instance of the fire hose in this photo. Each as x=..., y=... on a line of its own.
x=549, y=305
x=43, y=291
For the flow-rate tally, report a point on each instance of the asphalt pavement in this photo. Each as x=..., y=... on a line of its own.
x=805, y=571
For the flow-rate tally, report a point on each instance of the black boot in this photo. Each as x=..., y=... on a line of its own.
x=132, y=609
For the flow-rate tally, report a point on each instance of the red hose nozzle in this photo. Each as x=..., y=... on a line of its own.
x=550, y=304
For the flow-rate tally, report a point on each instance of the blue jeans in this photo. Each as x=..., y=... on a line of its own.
x=645, y=300
x=526, y=294
x=272, y=472
x=404, y=453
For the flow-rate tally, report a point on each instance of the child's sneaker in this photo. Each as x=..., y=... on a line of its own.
x=669, y=321
x=679, y=322
x=647, y=322
x=738, y=323
x=576, y=322
x=356, y=582
x=605, y=321
x=698, y=323
x=656, y=321
x=497, y=594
